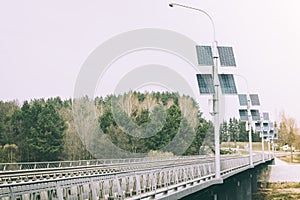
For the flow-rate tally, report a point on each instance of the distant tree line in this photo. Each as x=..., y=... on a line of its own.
x=32, y=132
x=45, y=129
x=234, y=130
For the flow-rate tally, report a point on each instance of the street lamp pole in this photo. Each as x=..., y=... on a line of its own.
x=273, y=148
x=269, y=144
x=249, y=120
x=262, y=136
x=216, y=99
x=249, y=130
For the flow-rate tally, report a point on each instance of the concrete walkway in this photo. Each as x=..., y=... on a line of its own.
x=280, y=162
x=284, y=172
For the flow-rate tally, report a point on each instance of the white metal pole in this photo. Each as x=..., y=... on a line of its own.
x=249, y=121
x=216, y=110
x=216, y=99
x=273, y=146
x=262, y=137
x=249, y=130
x=269, y=145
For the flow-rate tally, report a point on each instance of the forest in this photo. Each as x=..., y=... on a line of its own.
x=55, y=129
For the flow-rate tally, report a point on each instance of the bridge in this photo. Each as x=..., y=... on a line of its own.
x=135, y=178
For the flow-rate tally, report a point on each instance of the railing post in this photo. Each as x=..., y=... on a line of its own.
x=134, y=189
x=59, y=192
x=158, y=179
x=153, y=181
x=176, y=176
x=148, y=183
x=142, y=183
x=127, y=193
x=118, y=182
x=110, y=191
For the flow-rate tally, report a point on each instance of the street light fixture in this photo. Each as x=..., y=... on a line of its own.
x=200, y=10
x=216, y=98
x=249, y=120
x=257, y=115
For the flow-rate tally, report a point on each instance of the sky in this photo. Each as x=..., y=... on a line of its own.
x=44, y=44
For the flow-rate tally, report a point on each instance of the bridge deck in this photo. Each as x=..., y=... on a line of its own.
x=168, y=178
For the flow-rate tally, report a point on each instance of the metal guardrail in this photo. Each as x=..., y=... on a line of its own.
x=11, y=176
x=140, y=181
x=82, y=163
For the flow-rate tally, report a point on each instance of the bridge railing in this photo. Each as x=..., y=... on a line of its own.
x=234, y=163
x=82, y=163
x=144, y=182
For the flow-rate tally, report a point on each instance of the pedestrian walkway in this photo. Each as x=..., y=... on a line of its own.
x=284, y=172
x=280, y=162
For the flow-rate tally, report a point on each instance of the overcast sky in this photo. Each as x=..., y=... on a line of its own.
x=43, y=44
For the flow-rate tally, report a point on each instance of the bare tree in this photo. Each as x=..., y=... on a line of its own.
x=288, y=132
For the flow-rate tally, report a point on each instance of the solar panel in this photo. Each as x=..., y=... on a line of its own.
x=273, y=134
x=255, y=115
x=204, y=55
x=205, y=83
x=266, y=126
x=271, y=124
x=243, y=115
x=243, y=99
x=254, y=99
x=227, y=84
x=226, y=56
x=257, y=126
x=266, y=116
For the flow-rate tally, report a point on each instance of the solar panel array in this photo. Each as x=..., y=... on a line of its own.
x=268, y=129
x=257, y=126
x=204, y=55
x=226, y=57
x=243, y=99
x=205, y=83
x=255, y=115
x=265, y=133
x=243, y=115
x=266, y=116
x=266, y=126
x=227, y=84
x=254, y=100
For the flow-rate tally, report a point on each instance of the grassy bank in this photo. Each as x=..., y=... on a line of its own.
x=294, y=159
x=276, y=191
x=256, y=146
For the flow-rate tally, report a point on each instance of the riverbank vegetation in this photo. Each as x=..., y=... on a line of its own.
x=278, y=191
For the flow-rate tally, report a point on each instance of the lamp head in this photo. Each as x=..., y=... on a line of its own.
x=171, y=5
